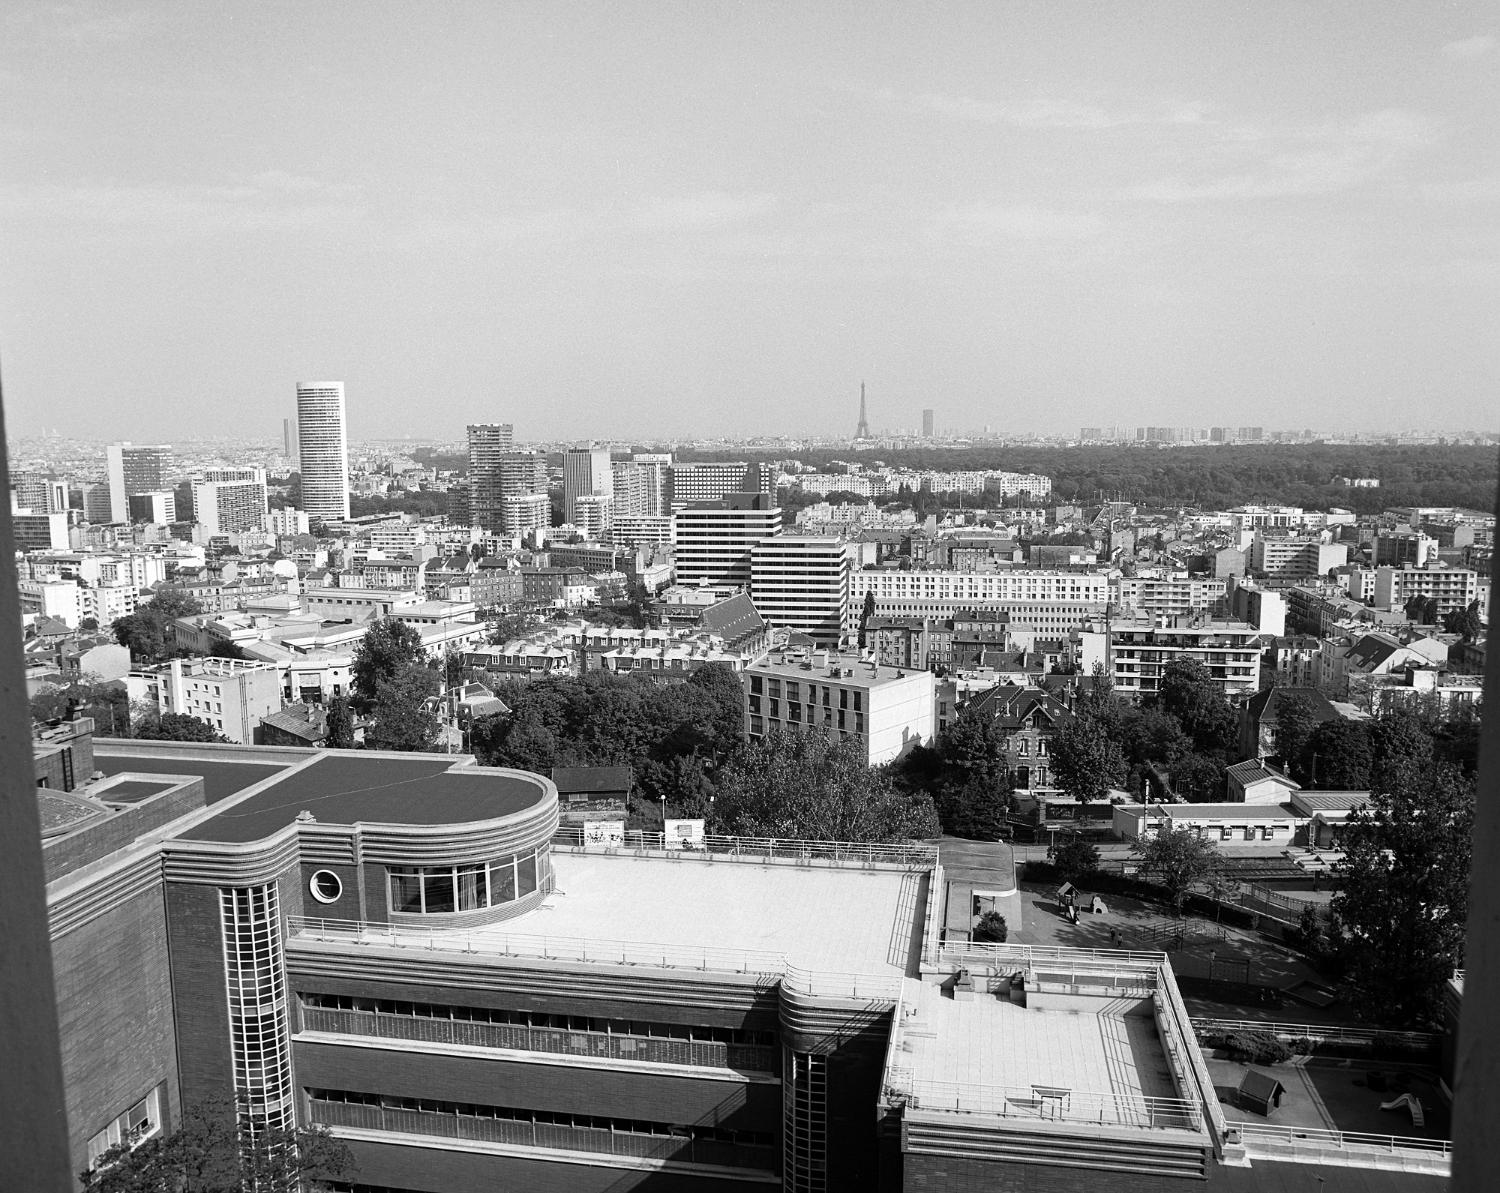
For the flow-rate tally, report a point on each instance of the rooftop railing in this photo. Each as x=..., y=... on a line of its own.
x=555, y=948
x=1323, y=1031
x=835, y=853
x=1028, y=956
x=1053, y=1103
x=766, y=966
x=1277, y=1137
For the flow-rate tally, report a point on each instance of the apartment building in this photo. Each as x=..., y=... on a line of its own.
x=1296, y=557
x=801, y=583
x=1140, y=651
x=714, y=480
x=888, y=710
x=1452, y=588
x=232, y=695
x=712, y=541
x=1178, y=595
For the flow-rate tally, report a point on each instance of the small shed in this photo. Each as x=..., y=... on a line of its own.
x=1260, y=1092
x=1067, y=893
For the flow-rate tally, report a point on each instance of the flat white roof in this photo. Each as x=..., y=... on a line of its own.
x=842, y=920
x=989, y=1041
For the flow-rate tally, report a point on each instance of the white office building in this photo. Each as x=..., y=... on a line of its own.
x=712, y=542
x=323, y=449
x=586, y=473
x=802, y=583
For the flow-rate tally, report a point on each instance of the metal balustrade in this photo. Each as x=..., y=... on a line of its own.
x=714, y=846
x=1322, y=1031
x=482, y=1128
x=1054, y=1103
x=1026, y=956
x=1343, y=1141
x=769, y=968
x=521, y=1037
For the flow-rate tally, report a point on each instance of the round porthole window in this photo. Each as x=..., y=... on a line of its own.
x=325, y=886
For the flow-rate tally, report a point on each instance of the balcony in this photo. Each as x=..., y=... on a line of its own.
x=521, y=1037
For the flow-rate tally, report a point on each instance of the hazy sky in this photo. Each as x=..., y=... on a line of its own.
x=699, y=218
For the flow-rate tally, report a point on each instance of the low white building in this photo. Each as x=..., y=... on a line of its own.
x=889, y=710
x=232, y=695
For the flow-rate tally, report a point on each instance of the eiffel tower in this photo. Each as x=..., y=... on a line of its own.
x=863, y=430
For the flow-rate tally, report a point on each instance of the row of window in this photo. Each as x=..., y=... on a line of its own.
x=771, y=686
x=134, y=1127
x=542, y=1019
x=433, y=890
x=589, y=1122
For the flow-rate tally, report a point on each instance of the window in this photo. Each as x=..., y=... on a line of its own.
x=326, y=886
x=135, y=1126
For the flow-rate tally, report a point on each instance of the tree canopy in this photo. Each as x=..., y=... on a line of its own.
x=208, y=1154
x=388, y=648
x=401, y=718
x=1404, y=891
x=147, y=633
x=1178, y=859
x=1086, y=761
x=176, y=726
x=812, y=786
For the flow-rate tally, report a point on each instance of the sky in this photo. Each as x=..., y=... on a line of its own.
x=718, y=219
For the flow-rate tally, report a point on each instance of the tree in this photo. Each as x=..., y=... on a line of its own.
x=1074, y=858
x=1464, y=622
x=209, y=1154
x=722, y=684
x=970, y=747
x=1086, y=762
x=176, y=726
x=340, y=725
x=1189, y=693
x=388, y=648
x=1178, y=859
x=1339, y=756
x=1404, y=891
x=864, y=618
x=811, y=786
x=992, y=928
x=1198, y=778
x=1397, y=738
x=402, y=718
x=977, y=808
x=1296, y=718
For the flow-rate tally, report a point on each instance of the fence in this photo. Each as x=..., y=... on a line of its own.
x=767, y=967
x=1281, y=1137
x=677, y=1145
x=1061, y=1105
x=522, y=1037
x=556, y=948
x=1323, y=1032
x=836, y=853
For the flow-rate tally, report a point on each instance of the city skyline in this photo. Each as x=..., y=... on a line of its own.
x=717, y=225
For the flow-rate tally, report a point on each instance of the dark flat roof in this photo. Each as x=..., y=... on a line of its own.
x=220, y=779
x=344, y=788
x=133, y=791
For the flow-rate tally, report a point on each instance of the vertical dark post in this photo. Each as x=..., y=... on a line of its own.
x=34, y=1127
x=1476, y=1106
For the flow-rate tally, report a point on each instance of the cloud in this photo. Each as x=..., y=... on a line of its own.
x=704, y=210
x=991, y=224
x=1469, y=47
x=1037, y=113
x=270, y=201
x=1316, y=160
x=1485, y=189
